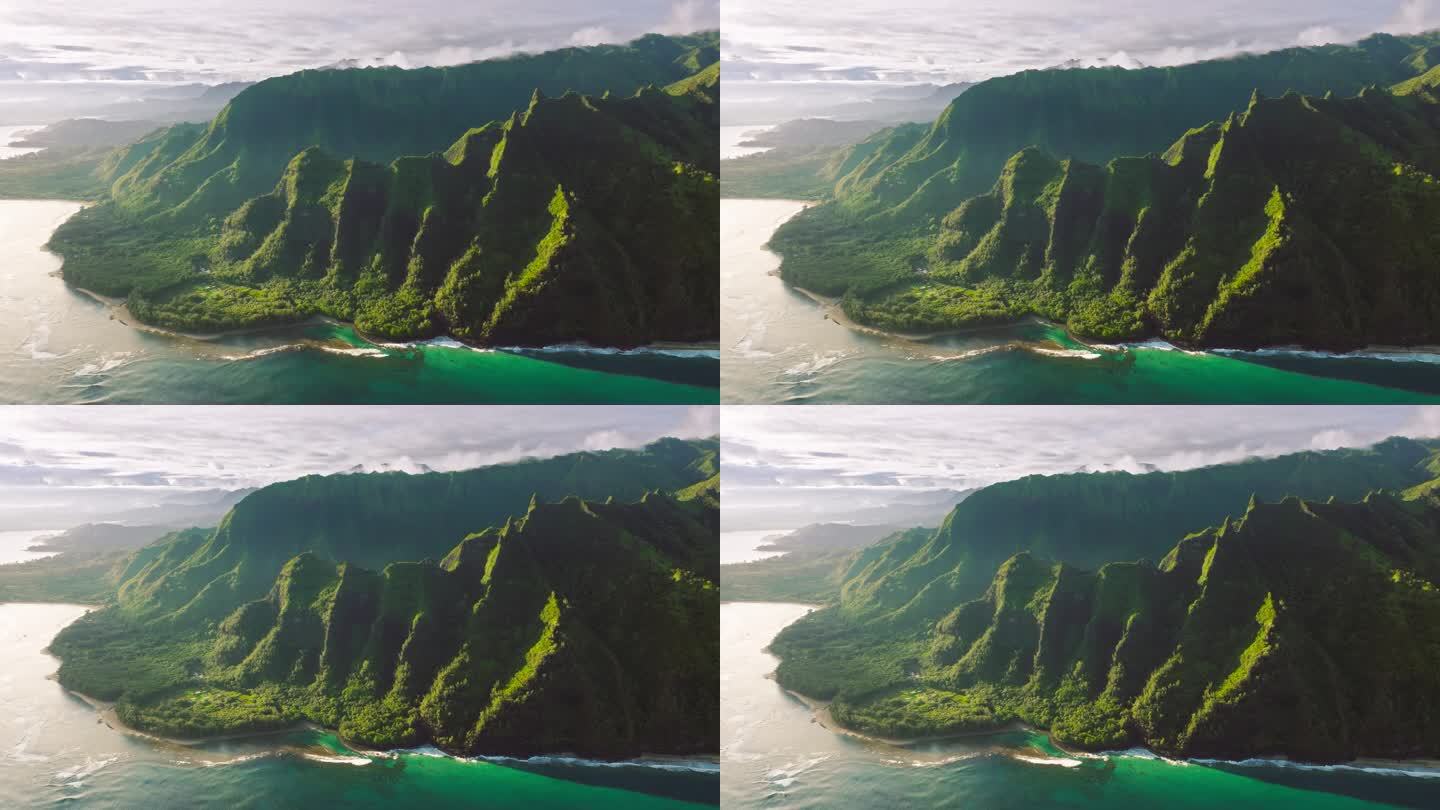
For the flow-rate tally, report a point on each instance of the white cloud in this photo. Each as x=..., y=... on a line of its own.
x=803, y=455
x=200, y=447
x=967, y=40
x=1319, y=35
x=592, y=35
x=689, y=15
x=1415, y=16
x=216, y=40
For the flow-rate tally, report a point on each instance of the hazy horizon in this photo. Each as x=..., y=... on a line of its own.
x=776, y=59
x=69, y=60
x=789, y=466
x=75, y=464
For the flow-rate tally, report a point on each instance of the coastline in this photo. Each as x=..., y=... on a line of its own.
x=111, y=718
x=832, y=311
x=1422, y=768
x=120, y=311
x=1421, y=353
x=106, y=713
x=821, y=716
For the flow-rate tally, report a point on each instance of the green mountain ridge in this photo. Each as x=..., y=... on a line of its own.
x=1300, y=629
x=1106, y=516
x=584, y=211
x=1242, y=234
x=1298, y=219
x=198, y=575
x=923, y=637
x=378, y=115
x=1096, y=114
x=571, y=625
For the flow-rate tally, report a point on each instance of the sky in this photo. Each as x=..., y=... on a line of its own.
x=80, y=462
x=221, y=40
x=783, y=59
x=943, y=41
x=805, y=462
x=68, y=58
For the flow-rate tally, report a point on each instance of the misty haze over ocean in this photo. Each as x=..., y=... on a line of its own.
x=780, y=61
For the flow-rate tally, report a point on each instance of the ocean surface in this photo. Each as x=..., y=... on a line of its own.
x=739, y=546
x=15, y=545
x=779, y=345
x=59, y=345
x=773, y=756
x=56, y=750
x=9, y=134
x=730, y=140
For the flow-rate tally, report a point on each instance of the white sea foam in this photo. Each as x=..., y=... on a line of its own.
x=1082, y=354
x=696, y=766
x=337, y=760
x=745, y=346
x=1129, y=753
x=269, y=350
x=91, y=766
x=786, y=774
x=816, y=364
x=105, y=364
x=692, y=766
x=354, y=351
x=438, y=343
x=21, y=751
x=935, y=763
x=1418, y=772
x=1393, y=356
x=37, y=344
x=1062, y=762
x=559, y=348
x=442, y=342
x=1158, y=345
x=970, y=353
x=583, y=348
x=238, y=760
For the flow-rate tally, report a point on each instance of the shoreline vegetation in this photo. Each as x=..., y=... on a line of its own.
x=832, y=309
x=121, y=312
x=111, y=718
x=821, y=715
x=105, y=711
x=107, y=714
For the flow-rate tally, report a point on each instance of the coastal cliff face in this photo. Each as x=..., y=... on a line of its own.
x=1098, y=114
x=436, y=201
x=1273, y=217
x=1289, y=627
x=571, y=625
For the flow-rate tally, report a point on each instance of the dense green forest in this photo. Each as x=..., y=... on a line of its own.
x=558, y=197
x=1168, y=610
x=583, y=619
x=1279, y=198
